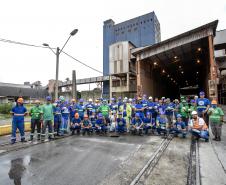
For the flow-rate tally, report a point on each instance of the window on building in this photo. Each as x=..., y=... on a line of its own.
x=122, y=32
x=151, y=19
x=141, y=22
x=137, y=23
x=135, y=29
x=129, y=30
x=144, y=22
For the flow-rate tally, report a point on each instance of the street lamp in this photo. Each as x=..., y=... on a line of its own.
x=57, y=53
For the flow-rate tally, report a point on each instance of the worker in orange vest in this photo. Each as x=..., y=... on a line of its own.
x=198, y=127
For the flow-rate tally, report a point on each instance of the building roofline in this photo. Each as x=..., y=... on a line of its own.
x=212, y=24
x=134, y=18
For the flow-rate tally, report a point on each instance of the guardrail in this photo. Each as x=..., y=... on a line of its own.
x=7, y=129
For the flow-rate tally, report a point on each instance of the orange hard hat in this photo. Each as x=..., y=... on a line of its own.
x=214, y=102
x=20, y=100
x=76, y=115
x=73, y=100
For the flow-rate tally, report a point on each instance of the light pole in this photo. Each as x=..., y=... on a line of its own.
x=57, y=53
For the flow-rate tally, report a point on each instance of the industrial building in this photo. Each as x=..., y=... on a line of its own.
x=184, y=64
x=140, y=31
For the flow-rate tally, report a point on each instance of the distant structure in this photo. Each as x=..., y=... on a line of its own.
x=140, y=31
x=10, y=92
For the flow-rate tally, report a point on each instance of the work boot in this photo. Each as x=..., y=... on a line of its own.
x=39, y=138
x=13, y=141
x=23, y=140
x=31, y=137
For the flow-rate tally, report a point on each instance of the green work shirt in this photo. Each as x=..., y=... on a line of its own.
x=184, y=111
x=104, y=109
x=36, y=112
x=47, y=112
x=216, y=114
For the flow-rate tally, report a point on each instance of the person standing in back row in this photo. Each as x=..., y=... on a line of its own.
x=216, y=120
x=36, y=116
x=48, y=118
x=203, y=105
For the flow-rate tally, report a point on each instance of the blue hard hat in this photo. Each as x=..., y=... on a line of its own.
x=48, y=98
x=119, y=98
x=81, y=100
x=137, y=115
x=100, y=115
x=202, y=93
x=112, y=99
x=120, y=113
x=179, y=116
x=192, y=101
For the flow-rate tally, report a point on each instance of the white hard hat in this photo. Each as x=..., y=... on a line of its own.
x=125, y=98
x=90, y=99
x=150, y=98
x=194, y=112
x=130, y=99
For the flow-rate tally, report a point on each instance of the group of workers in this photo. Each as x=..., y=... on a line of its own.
x=141, y=115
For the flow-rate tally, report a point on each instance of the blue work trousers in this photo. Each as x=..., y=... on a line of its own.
x=17, y=124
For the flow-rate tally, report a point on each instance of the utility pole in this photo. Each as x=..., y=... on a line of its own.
x=74, y=86
x=57, y=72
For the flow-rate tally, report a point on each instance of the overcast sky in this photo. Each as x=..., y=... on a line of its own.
x=51, y=21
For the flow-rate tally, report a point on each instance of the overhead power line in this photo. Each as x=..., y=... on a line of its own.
x=21, y=43
x=82, y=63
x=40, y=46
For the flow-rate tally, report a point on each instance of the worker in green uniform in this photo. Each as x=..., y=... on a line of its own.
x=105, y=109
x=216, y=119
x=183, y=110
x=48, y=118
x=36, y=116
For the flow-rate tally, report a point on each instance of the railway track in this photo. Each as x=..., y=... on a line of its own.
x=150, y=165
x=194, y=165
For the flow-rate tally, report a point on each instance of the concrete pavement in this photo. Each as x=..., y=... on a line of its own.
x=78, y=160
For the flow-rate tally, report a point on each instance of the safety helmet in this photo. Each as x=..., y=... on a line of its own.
x=130, y=99
x=119, y=113
x=73, y=100
x=90, y=100
x=37, y=102
x=194, y=112
x=20, y=100
x=183, y=101
x=144, y=96
x=192, y=101
x=137, y=115
x=163, y=98
x=179, y=116
x=214, y=102
x=104, y=100
x=119, y=98
x=97, y=101
x=150, y=98
x=148, y=113
x=48, y=98
x=202, y=93
x=85, y=116
x=81, y=100
x=100, y=115
x=114, y=112
x=76, y=115
x=112, y=99
x=125, y=98
x=61, y=98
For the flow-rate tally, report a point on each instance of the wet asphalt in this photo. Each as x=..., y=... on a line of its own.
x=74, y=160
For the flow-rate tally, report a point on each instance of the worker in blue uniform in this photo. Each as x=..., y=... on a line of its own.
x=120, y=124
x=81, y=109
x=139, y=108
x=86, y=125
x=18, y=112
x=203, y=105
x=101, y=127
x=179, y=128
x=137, y=125
x=76, y=124
x=90, y=107
x=149, y=123
x=72, y=110
x=57, y=118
